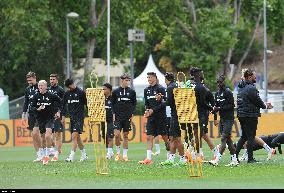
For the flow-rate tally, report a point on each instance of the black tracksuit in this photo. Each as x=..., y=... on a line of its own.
x=224, y=100
x=59, y=91
x=29, y=94
x=203, y=99
x=156, y=124
x=52, y=104
x=109, y=120
x=74, y=101
x=248, y=111
x=174, y=124
x=124, y=103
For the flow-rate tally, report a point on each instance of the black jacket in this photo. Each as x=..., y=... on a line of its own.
x=29, y=94
x=202, y=99
x=159, y=109
x=74, y=101
x=51, y=102
x=58, y=90
x=224, y=99
x=171, y=99
x=248, y=100
x=124, y=103
x=108, y=107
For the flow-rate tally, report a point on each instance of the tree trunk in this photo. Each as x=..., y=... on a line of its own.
x=230, y=51
x=239, y=66
x=191, y=7
x=94, y=22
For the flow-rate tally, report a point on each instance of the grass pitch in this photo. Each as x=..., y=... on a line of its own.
x=17, y=171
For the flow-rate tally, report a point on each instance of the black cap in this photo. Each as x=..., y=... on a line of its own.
x=108, y=85
x=125, y=76
x=68, y=82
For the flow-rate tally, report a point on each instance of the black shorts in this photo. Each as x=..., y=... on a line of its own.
x=168, y=125
x=226, y=126
x=43, y=124
x=109, y=133
x=156, y=126
x=32, y=121
x=174, y=128
x=76, y=125
x=58, y=127
x=124, y=125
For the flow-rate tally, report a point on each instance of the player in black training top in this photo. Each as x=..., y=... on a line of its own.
x=272, y=141
x=204, y=106
x=174, y=132
x=154, y=96
x=224, y=104
x=124, y=103
x=58, y=126
x=109, y=134
x=28, y=117
x=47, y=107
x=74, y=101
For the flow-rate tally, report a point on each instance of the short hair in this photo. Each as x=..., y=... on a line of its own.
x=221, y=78
x=170, y=76
x=54, y=75
x=248, y=72
x=31, y=74
x=125, y=76
x=42, y=82
x=68, y=82
x=108, y=85
x=194, y=70
x=152, y=74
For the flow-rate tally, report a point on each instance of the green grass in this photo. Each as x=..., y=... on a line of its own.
x=17, y=171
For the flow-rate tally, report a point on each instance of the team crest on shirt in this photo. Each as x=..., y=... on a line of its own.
x=47, y=98
x=155, y=92
x=75, y=95
x=127, y=94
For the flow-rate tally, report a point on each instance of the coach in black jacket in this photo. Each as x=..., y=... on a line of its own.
x=248, y=111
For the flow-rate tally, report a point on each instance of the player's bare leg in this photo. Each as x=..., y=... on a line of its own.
x=48, y=143
x=125, y=146
x=37, y=142
x=74, y=147
x=117, y=143
x=84, y=156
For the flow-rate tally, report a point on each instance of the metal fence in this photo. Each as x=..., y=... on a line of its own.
x=16, y=108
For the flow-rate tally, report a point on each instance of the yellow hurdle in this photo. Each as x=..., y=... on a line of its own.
x=186, y=107
x=97, y=114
